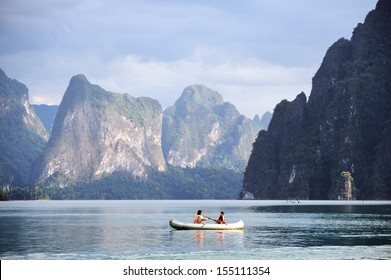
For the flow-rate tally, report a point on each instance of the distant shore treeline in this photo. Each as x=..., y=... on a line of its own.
x=176, y=183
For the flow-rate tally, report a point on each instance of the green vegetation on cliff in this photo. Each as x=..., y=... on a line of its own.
x=22, y=135
x=344, y=127
x=175, y=183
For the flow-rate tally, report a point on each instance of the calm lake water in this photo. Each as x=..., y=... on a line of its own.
x=279, y=230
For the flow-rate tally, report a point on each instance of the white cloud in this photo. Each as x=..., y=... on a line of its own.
x=255, y=53
x=254, y=86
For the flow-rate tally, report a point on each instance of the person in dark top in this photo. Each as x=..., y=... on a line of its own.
x=221, y=219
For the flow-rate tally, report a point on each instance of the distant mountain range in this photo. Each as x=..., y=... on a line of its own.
x=263, y=122
x=47, y=114
x=95, y=134
x=344, y=127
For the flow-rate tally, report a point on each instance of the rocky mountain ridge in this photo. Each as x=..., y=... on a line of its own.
x=97, y=133
x=344, y=126
x=203, y=130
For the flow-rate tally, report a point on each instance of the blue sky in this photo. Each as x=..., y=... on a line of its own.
x=253, y=52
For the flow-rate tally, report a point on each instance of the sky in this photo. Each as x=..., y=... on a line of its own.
x=255, y=53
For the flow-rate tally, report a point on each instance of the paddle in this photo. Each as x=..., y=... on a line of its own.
x=226, y=223
x=210, y=218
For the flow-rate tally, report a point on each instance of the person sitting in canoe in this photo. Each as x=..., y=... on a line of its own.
x=220, y=219
x=200, y=218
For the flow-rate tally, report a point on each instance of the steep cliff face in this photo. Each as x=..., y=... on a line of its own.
x=22, y=135
x=97, y=132
x=345, y=127
x=203, y=130
x=270, y=162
